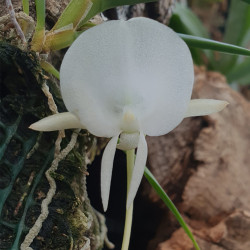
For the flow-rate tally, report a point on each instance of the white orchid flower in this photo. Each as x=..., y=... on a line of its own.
x=127, y=79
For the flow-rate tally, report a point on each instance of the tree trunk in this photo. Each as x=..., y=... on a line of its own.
x=43, y=197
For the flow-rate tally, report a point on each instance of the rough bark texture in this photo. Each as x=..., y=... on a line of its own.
x=204, y=166
x=28, y=94
x=53, y=7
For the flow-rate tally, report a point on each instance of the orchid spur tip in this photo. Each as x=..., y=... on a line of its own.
x=200, y=107
x=58, y=121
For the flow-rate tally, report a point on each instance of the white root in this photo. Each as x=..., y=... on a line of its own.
x=59, y=155
x=33, y=232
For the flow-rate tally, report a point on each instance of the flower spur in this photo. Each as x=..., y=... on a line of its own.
x=127, y=79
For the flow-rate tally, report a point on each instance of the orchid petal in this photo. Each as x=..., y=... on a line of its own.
x=140, y=163
x=106, y=170
x=58, y=121
x=139, y=65
x=199, y=107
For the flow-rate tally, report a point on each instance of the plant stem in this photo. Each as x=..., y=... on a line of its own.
x=127, y=228
x=129, y=212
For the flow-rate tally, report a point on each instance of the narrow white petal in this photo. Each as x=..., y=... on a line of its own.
x=140, y=162
x=198, y=107
x=106, y=170
x=57, y=122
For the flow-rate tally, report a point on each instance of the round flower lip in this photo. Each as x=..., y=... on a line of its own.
x=138, y=65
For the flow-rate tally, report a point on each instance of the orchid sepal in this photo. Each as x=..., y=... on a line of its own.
x=200, y=107
x=60, y=121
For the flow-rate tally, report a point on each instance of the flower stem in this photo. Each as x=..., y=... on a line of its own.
x=129, y=212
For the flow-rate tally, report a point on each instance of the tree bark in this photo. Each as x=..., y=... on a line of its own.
x=204, y=166
x=43, y=198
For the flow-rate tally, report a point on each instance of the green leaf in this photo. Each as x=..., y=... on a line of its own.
x=40, y=14
x=50, y=69
x=244, y=81
x=73, y=13
x=237, y=28
x=208, y=44
x=78, y=12
x=75, y=17
x=240, y=73
x=238, y=21
x=59, y=40
x=39, y=34
x=102, y=5
x=25, y=4
x=185, y=21
x=159, y=190
x=247, y=1
x=190, y=23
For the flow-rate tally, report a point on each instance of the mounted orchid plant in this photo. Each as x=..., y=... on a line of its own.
x=124, y=80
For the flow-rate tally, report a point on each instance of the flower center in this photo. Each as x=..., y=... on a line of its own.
x=128, y=141
x=129, y=123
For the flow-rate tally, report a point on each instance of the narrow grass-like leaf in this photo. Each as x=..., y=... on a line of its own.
x=50, y=69
x=237, y=28
x=238, y=22
x=73, y=13
x=38, y=37
x=59, y=40
x=85, y=26
x=159, y=190
x=240, y=73
x=102, y=5
x=77, y=13
x=25, y=6
x=40, y=14
x=208, y=44
x=185, y=21
x=189, y=21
